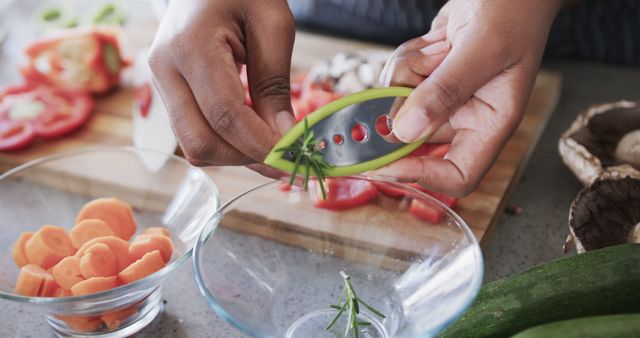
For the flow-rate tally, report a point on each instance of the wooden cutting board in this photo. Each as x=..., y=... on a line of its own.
x=111, y=125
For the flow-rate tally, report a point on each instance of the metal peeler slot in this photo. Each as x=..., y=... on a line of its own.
x=360, y=133
x=383, y=125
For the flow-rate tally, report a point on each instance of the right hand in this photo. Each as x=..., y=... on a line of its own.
x=473, y=74
x=195, y=59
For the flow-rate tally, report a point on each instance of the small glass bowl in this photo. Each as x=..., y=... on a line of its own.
x=164, y=190
x=270, y=263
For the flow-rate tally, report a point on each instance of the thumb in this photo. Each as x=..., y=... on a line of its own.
x=268, y=69
x=468, y=67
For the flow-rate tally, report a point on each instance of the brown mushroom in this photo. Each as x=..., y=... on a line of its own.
x=607, y=212
x=603, y=136
x=628, y=149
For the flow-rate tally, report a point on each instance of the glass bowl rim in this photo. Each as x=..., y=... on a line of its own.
x=151, y=279
x=209, y=229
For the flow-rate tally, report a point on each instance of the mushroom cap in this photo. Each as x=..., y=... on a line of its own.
x=605, y=212
x=588, y=147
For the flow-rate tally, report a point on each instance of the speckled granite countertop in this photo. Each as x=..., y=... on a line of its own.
x=519, y=241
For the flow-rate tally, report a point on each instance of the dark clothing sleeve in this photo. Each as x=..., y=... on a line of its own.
x=594, y=30
x=598, y=30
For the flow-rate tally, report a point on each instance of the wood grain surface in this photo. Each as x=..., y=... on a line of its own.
x=111, y=125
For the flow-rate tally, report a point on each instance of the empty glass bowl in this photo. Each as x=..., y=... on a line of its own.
x=270, y=263
x=52, y=190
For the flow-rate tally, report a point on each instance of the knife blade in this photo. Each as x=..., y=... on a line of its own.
x=151, y=125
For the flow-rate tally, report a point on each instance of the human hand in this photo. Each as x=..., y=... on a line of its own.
x=196, y=58
x=472, y=95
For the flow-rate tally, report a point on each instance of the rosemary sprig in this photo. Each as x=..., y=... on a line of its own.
x=349, y=302
x=307, y=152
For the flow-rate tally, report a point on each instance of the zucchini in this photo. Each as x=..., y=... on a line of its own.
x=612, y=326
x=599, y=282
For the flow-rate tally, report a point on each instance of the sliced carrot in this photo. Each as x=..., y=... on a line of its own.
x=146, y=243
x=18, y=249
x=62, y=292
x=29, y=280
x=94, y=285
x=88, y=229
x=118, y=246
x=67, y=272
x=161, y=231
x=48, y=286
x=113, y=319
x=34, y=281
x=143, y=267
x=48, y=246
x=117, y=214
x=81, y=323
x=98, y=261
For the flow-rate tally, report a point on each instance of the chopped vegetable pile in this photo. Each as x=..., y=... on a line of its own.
x=93, y=256
x=345, y=193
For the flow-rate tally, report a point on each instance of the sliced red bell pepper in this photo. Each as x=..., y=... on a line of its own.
x=284, y=187
x=110, y=61
x=319, y=97
x=345, y=194
x=429, y=213
x=67, y=115
x=142, y=99
x=300, y=108
x=79, y=59
x=47, y=112
x=390, y=190
x=311, y=100
x=296, y=90
x=396, y=192
x=305, y=97
x=449, y=201
x=15, y=135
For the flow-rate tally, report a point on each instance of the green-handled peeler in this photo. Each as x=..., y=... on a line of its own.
x=332, y=126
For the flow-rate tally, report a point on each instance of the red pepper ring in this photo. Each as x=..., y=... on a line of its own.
x=15, y=135
x=26, y=93
x=64, y=111
x=66, y=115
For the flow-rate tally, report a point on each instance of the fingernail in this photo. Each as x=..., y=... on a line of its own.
x=284, y=121
x=436, y=48
x=411, y=125
x=435, y=35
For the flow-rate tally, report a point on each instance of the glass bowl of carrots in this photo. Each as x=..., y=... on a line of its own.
x=90, y=236
x=367, y=259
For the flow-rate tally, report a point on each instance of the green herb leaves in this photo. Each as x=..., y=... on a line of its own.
x=349, y=302
x=308, y=153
